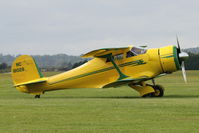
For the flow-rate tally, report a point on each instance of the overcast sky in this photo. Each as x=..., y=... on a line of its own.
x=77, y=26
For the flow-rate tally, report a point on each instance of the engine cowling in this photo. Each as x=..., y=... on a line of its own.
x=169, y=59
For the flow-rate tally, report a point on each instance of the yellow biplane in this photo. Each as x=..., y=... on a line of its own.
x=110, y=67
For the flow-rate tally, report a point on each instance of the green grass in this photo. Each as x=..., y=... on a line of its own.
x=114, y=110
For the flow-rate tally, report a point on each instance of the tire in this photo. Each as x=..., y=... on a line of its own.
x=159, y=91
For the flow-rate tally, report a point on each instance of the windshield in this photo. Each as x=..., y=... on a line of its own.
x=138, y=51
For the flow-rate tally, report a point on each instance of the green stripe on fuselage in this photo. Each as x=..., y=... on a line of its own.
x=133, y=63
x=167, y=56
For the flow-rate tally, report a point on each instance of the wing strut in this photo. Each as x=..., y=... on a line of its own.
x=110, y=57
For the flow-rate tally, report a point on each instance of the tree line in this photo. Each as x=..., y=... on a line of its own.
x=59, y=62
x=193, y=62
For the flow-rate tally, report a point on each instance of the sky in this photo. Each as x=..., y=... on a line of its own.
x=75, y=27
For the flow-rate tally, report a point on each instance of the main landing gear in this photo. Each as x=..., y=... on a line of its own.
x=147, y=90
x=158, y=91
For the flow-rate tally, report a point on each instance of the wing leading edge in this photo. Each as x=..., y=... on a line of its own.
x=105, y=51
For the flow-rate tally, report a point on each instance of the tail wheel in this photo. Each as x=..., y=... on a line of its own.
x=159, y=91
x=37, y=96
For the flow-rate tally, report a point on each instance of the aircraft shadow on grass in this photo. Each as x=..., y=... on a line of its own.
x=123, y=97
x=181, y=96
x=93, y=97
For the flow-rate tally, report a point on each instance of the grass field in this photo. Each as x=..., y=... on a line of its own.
x=114, y=110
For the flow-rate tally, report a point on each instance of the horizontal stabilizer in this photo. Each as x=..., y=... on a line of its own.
x=40, y=80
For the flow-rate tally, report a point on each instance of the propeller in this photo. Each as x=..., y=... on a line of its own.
x=182, y=57
x=184, y=72
x=179, y=49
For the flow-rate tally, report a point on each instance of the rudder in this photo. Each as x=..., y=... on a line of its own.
x=25, y=69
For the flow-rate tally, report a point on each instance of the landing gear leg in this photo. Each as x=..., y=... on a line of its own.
x=144, y=89
x=153, y=81
x=37, y=96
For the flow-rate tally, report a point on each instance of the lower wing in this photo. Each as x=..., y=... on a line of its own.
x=127, y=81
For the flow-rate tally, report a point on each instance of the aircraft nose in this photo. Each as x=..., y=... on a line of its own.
x=183, y=56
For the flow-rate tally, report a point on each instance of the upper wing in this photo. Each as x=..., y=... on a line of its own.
x=127, y=81
x=105, y=51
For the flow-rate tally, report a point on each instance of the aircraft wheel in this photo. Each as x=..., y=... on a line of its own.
x=159, y=91
x=37, y=96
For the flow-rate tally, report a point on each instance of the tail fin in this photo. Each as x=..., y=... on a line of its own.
x=25, y=69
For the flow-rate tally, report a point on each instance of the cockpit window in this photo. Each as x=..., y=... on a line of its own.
x=129, y=54
x=135, y=51
x=138, y=50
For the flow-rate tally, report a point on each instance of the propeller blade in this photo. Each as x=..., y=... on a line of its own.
x=183, y=72
x=178, y=44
